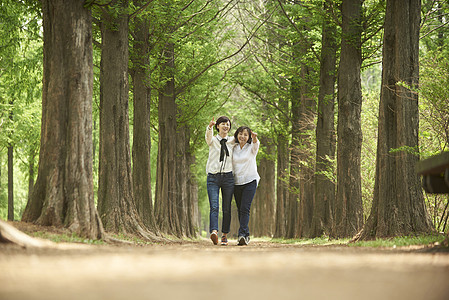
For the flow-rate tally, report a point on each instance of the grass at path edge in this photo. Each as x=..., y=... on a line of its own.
x=393, y=242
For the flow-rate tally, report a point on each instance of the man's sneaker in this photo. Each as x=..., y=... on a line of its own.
x=242, y=241
x=247, y=240
x=214, y=237
x=224, y=240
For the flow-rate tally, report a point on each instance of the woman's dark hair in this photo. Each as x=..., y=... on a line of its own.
x=222, y=119
x=240, y=129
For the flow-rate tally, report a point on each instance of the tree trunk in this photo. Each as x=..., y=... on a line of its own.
x=185, y=200
x=302, y=161
x=292, y=213
x=307, y=167
x=141, y=131
x=282, y=175
x=398, y=204
x=115, y=195
x=63, y=194
x=348, y=203
x=31, y=173
x=11, y=168
x=325, y=133
x=262, y=210
x=166, y=211
x=192, y=198
x=10, y=183
x=235, y=224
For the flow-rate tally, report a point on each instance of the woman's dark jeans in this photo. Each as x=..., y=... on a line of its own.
x=215, y=182
x=244, y=195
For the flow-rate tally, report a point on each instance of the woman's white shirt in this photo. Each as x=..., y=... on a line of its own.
x=244, y=162
x=214, y=165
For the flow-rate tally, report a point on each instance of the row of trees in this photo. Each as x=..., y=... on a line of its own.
x=159, y=70
x=318, y=202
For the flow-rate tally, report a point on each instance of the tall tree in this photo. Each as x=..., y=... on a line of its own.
x=262, y=208
x=398, y=206
x=63, y=193
x=166, y=211
x=10, y=182
x=141, y=151
x=348, y=203
x=186, y=197
x=292, y=213
x=175, y=198
x=325, y=130
x=116, y=205
x=307, y=167
x=281, y=174
x=11, y=167
x=182, y=62
x=301, y=183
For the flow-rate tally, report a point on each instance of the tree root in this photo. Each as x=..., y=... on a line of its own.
x=9, y=234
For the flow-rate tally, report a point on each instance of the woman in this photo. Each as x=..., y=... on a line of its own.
x=245, y=176
x=219, y=176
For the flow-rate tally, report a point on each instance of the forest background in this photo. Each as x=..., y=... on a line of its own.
x=260, y=63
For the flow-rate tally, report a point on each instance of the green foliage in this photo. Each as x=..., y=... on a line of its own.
x=402, y=241
x=252, y=86
x=434, y=97
x=20, y=94
x=406, y=149
x=434, y=105
x=65, y=238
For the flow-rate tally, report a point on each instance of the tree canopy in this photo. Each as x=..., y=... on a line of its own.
x=258, y=62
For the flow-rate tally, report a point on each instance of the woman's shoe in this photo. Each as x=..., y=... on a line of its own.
x=214, y=237
x=224, y=240
x=242, y=241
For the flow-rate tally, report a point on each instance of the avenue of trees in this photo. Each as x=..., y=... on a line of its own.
x=104, y=105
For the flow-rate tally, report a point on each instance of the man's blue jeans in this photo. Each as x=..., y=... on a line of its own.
x=244, y=195
x=215, y=182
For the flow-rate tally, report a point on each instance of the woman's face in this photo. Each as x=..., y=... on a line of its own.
x=224, y=127
x=243, y=136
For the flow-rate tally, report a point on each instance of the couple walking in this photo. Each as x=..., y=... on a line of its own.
x=231, y=167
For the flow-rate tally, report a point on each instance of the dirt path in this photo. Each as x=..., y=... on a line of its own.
x=200, y=270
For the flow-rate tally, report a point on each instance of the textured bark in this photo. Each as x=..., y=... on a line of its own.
x=176, y=203
x=325, y=134
x=31, y=174
x=281, y=186
x=292, y=213
x=192, y=198
x=10, y=183
x=63, y=194
x=182, y=173
x=302, y=161
x=307, y=167
x=185, y=197
x=166, y=210
x=141, y=151
x=281, y=176
x=11, y=168
x=398, y=205
x=262, y=209
x=115, y=191
x=348, y=203
x=234, y=229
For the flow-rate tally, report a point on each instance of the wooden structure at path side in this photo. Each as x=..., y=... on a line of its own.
x=435, y=173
